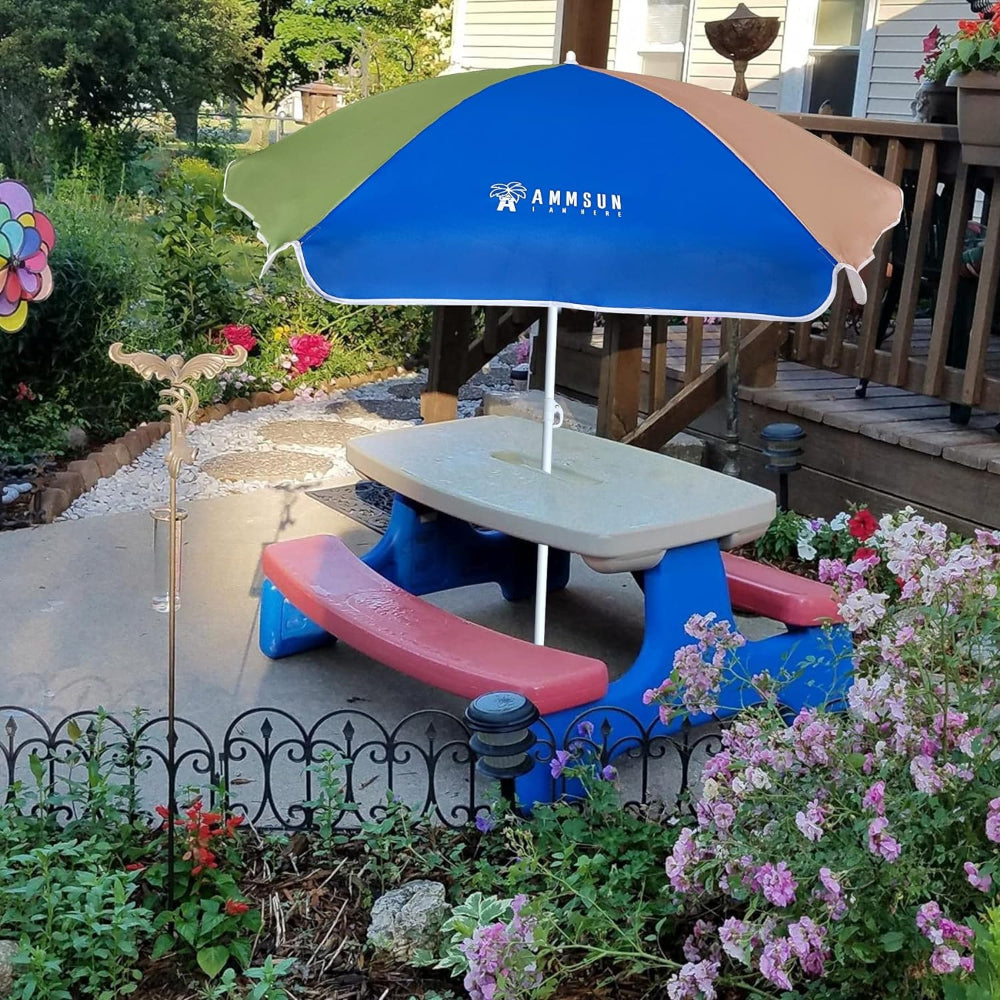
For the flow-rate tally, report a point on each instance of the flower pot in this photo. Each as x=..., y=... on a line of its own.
x=978, y=116
x=936, y=103
x=519, y=376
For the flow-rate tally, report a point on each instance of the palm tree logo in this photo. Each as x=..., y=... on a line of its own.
x=509, y=194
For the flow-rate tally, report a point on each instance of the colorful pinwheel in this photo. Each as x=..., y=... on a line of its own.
x=26, y=238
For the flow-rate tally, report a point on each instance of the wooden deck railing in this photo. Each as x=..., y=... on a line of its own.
x=928, y=322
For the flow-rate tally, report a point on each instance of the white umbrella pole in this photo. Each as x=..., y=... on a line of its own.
x=548, y=421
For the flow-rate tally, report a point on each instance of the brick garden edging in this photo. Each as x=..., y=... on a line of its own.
x=60, y=489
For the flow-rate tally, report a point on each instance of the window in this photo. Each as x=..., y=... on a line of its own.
x=665, y=32
x=832, y=64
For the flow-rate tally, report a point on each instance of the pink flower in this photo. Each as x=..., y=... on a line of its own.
x=944, y=960
x=731, y=933
x=806, y=938
x=238, y=336
x=776, y=955
x=686, y=852
x=880, y=842
x=777, y=883
x=694, y=981
x=993, y=821
x=928, y=918
x=810, y=822
x=832, y=894
x=931, y=40
x=874, y=798
x=310, y=350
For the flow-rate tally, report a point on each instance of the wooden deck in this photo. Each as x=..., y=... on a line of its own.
x=890, y=449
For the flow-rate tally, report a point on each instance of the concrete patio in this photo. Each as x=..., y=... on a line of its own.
x=79, y=631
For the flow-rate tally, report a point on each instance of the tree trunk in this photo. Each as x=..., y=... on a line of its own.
x=186, y=123
x=260, y=127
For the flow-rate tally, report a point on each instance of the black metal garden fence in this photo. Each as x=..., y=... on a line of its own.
x=270, y=767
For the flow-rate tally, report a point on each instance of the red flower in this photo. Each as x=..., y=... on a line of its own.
x=238, y=336
x=136, y=866
x=24, y=392
x=919, y=73
x=310, y=350
x=865, y=553
x=234, y=907
x=969, y=28
x=163, y=812
x=862, y=525
x=931, y=40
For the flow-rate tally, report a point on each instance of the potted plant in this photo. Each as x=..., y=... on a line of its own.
x=936, y=101
x=974, y=60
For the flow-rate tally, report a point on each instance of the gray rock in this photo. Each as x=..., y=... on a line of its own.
x=8, y=949
x=409, y=918
x=76, y=438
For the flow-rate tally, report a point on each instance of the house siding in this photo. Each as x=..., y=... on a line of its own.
x=504, y=33
x=900, y=29
x=708, y=69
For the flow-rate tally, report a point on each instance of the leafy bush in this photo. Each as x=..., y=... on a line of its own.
x=70, y=906
x=102, y=267
x=193, y=249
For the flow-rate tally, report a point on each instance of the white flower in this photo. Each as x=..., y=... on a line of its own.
x=839, y=523
x=805, y=548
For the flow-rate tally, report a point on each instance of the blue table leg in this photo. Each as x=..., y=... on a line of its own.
x=423, y=552
x=814, y=665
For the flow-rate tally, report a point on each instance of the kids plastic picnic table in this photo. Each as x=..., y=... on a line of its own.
x=471, y=505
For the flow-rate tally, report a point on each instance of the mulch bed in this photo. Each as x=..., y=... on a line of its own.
x=316, y=910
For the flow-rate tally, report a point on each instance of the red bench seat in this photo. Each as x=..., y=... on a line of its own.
x=778, y=594
x=330, y=585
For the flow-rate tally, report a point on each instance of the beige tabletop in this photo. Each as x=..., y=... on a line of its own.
x=617, y=506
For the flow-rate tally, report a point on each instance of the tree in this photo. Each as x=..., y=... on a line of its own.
x=200, y=50
x=375, y=44
x=103, y=62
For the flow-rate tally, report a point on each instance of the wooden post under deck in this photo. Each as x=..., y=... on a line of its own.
x=445, y=363
x=621, y=372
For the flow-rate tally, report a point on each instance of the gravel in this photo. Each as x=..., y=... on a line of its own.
x=376, y=406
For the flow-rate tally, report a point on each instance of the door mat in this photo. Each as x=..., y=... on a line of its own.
x=367, y=503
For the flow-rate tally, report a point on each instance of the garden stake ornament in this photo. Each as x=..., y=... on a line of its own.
x=180, y=401
x=26, y=240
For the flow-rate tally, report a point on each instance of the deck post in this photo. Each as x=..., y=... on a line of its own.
x=621, y=375
x=585, y=29
x=445, y=363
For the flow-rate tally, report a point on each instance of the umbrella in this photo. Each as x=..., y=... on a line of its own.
x=562, y=186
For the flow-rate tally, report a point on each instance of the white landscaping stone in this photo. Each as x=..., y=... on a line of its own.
x=409, y=918
x=10, y=494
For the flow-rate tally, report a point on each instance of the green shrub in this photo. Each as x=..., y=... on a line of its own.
x=194, y=247
x=102, y=268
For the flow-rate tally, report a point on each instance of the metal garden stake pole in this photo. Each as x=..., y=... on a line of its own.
x=180, y=401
